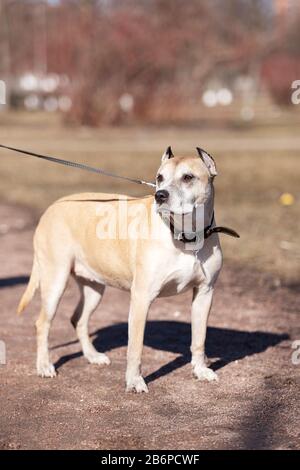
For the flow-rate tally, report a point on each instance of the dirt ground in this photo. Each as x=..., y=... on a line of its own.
x=252, y=326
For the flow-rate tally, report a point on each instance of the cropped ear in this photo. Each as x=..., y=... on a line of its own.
x=168, y=154
x=208, y=161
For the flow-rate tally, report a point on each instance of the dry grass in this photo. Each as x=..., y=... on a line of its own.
x=256, y=166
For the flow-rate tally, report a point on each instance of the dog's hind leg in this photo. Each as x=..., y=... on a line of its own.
x=90, y=297
x=52, y=283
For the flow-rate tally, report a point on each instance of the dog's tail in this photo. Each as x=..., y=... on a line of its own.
x=33, y=284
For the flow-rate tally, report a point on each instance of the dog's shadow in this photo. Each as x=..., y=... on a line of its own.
x=173, y=336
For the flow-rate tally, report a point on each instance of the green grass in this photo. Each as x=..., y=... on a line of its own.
x=256, y=165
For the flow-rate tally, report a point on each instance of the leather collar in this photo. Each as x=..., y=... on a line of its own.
x=207, y=232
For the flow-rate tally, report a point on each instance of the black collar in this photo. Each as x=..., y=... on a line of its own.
x=207, y=232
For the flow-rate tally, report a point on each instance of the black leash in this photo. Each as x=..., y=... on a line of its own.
x=81, y=166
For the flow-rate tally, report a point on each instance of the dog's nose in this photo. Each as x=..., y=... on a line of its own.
x=161, y=196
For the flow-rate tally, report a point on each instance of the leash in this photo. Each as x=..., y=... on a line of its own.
x=181, y=236
x=81, y=166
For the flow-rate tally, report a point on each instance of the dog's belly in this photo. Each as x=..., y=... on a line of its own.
x=81, y=269
x=84, y=271
x=178, y=276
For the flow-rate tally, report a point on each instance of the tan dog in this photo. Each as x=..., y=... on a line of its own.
x=76, y=235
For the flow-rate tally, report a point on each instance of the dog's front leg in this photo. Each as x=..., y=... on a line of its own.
x=202, y=300
x=139, y=306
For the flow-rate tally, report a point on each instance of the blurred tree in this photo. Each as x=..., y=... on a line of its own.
x=281, y=66
x=160, y=53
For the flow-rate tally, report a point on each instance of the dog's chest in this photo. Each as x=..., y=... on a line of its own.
x=179, y=273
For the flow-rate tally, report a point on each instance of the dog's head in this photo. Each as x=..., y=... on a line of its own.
x=183, y=183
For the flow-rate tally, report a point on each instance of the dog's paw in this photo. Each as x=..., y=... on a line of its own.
x=97, y=358
x=46, y=370
x=137, y=384
x=204, y=373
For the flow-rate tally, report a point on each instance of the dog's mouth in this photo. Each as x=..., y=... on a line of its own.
x=186, y=221
x=185, y=211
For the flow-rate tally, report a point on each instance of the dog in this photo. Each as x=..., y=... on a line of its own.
x=69, y=240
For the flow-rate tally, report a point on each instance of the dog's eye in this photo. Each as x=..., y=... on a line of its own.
x=188, y=177
x=159, y=178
